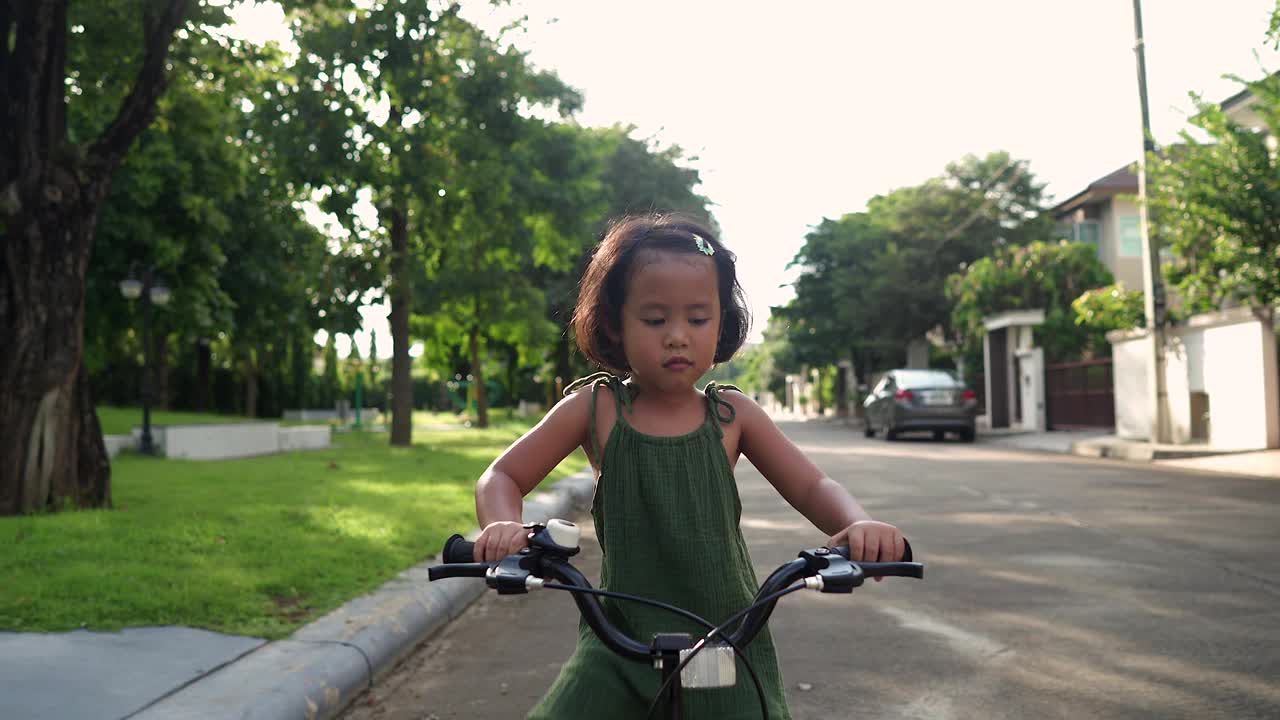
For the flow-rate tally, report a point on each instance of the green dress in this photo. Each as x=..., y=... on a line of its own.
x=666, y=512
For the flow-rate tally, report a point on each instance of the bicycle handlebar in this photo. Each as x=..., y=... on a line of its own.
x=824, y=569
x=459, y=551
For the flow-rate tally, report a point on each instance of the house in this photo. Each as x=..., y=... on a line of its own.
x=1240, y=108
x=1105, y=215
x=1221, y=376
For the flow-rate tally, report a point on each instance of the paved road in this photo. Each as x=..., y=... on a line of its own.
x=1057, y=587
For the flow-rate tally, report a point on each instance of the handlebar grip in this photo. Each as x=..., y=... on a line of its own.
x=843, y=551
x=439, y=572
x=892, y=569
x=458, y=550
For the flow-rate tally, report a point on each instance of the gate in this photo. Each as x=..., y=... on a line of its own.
x=999, y=378
x=1080, y=395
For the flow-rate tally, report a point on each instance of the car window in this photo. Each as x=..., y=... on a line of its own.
x=926, y=379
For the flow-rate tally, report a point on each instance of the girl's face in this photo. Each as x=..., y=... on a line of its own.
x=671, y=319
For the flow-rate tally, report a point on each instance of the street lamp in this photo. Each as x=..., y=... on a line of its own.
x=152, y=291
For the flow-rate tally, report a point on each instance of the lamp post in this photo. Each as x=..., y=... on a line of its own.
x=152, y=291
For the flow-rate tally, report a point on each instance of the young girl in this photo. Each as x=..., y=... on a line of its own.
x=659, y=305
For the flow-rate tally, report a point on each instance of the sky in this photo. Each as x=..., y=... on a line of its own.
x=804, y=111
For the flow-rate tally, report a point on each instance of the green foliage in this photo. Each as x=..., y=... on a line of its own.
x=404, y=107
x=1225, y=236
x=874, y=281
x=200, y=199
x=1104, y=309
x=764, y=367
x=1041, y=275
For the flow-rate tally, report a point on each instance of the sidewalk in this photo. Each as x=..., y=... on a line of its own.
x=1259, y=463
x=179, y=673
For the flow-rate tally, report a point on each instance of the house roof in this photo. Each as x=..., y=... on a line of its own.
x=1241, y=97
x=1236, y=99
x=1124, y=181
x=1119, y=182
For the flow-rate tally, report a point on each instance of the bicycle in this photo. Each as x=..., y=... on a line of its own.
x=680, y=660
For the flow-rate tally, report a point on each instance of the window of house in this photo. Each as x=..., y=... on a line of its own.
x=1130, y=237
x=1085, y=232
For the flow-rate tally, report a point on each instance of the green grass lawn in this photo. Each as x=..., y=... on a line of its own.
x=256, y=546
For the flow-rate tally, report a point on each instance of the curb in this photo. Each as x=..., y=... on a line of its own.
x=1144, y=452
x=316, y=672
x=1114, y=451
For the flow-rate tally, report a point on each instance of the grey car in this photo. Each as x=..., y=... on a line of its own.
x=928, y=400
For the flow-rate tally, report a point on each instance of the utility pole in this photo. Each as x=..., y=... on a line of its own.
x=1152, y=281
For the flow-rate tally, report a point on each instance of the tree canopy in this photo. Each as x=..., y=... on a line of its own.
x=873, y=281
x=1225, y=236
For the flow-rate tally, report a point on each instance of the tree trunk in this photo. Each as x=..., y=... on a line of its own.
x=477, y=376
x=51, y=448
x=160, y=358
x=861, y=362
x=203, y=360
x=513, y=367
x=842, y=392
x=562, y=356
x=401, y=363
x=562, y=370
x=300, y=368
x=250, y=384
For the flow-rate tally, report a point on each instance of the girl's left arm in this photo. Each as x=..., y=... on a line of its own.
x=825, y=502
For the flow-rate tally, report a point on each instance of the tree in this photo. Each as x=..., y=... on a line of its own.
x=407, y=103
x=52, y=186
x=621, y=174
x=1225, y=236
x=1048, y=276
x=874, y=281
x=937, y=227
x=842, y=309
x=1104, y=309
x=203, y=200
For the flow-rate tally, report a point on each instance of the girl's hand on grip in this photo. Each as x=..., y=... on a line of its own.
x=871, y=541
x=500, y=539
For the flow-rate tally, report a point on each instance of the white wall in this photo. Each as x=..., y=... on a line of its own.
x=1129, y=378
x=307, y=437
x=311, y=415
x=220, y=441
x=217, y=441
x=1032, y=389
x=1235, y=374
x=116, y=443
x=1230, y=356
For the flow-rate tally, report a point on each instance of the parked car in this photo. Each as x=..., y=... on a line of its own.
x=932, y=400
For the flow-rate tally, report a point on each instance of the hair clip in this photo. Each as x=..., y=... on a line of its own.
x=704, y=247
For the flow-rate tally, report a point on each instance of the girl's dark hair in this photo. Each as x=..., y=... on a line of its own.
x=597, y=318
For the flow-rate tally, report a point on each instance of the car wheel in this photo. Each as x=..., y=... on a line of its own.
x=890, y=434
x=966, y=435
x=939, y=435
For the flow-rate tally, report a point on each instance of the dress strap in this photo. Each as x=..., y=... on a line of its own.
x=621, y=399
x=720, y=409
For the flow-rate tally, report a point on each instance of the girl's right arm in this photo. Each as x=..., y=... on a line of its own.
x=517, y=471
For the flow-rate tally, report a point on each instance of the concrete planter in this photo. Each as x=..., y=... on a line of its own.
x=220, y=441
